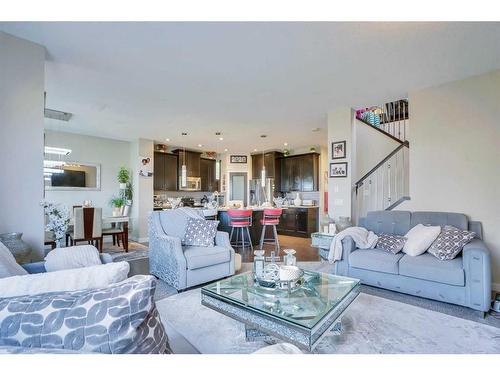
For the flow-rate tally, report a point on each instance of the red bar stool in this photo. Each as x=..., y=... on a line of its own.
x=240, y=220
x=271, y=217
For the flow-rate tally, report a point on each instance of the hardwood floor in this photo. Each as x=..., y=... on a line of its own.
x=305, y=253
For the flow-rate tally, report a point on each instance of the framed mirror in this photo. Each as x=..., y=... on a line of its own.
x=72, y=175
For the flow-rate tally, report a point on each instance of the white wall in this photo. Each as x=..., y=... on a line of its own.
x=340, y=128
x=143, y=190
x=455, y=153
x=227, y=167
x=21, y=139
x=109, y=153
x=371, y=147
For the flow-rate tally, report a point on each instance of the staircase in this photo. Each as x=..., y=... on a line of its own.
x=386, y=185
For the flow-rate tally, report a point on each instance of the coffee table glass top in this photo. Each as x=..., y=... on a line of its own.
x=304, y=306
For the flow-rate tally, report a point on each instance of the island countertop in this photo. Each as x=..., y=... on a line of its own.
x=219, y=209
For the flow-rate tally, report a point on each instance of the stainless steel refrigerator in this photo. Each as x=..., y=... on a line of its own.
x=261, y=193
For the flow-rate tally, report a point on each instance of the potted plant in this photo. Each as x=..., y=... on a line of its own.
x=123, y=177
x=117, y=203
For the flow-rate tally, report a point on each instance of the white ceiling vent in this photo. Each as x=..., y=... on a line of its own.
x=57, y=115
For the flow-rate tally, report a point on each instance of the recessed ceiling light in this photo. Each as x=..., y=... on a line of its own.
x=255, y=149
x=200, y=145
x=285, y=144
x=225, y=150
x=221, y=138
x=168, y=139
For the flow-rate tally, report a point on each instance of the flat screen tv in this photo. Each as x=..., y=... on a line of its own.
x=68, y=179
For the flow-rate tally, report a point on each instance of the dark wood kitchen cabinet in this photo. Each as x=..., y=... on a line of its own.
x=298, y=221
x=209, y=183
x=300, y=173
x=165, y=171
x=192, y=160
x=272, y=162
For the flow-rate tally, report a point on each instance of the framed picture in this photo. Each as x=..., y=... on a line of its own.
x=238, y=159
x=338, y=169
x=338, y=150
x=145, y=168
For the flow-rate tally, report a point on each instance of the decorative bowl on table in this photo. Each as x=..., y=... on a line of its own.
x=281, y=277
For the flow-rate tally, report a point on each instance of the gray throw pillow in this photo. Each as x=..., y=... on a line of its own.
x=390, y=242
x=121, y=318
x=450, y=242
x=200, y=232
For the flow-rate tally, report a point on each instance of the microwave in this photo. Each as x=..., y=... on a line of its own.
x=192, y=184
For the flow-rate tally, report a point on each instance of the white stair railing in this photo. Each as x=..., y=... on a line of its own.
x=386, y=185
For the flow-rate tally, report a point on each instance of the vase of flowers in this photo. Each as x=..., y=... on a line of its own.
x=58, y=220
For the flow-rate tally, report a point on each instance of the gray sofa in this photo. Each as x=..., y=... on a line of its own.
x=185, y=266
x=465, y=280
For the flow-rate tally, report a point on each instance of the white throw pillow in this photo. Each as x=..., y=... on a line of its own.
x=420, y=238
x=66, y=258
x=67, y=280
x=8, y=264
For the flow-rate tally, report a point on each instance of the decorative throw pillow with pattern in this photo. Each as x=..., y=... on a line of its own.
x=450, y=242
x=390, y=242
x=119, y=319
x=200, y=232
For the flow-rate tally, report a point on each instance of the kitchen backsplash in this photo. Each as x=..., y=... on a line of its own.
x=175, y=194
x=313, y=195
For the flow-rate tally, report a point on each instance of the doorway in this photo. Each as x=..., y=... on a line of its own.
x=238, y=185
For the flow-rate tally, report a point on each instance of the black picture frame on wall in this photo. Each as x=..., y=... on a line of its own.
x=338, y=170
x=339, y=150
x=238, y=159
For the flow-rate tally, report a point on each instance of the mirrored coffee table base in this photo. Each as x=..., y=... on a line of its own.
x=260, y=325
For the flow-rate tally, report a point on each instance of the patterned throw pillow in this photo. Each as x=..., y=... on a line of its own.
x=390, y=242
x=121, y=318
x=450, y=242
x=200, y=232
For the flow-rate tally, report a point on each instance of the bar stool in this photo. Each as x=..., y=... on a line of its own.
x=271, y=217
x=241, y=220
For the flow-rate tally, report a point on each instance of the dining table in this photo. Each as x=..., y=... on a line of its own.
x=113, y=220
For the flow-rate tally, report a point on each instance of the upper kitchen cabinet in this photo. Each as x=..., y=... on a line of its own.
x=272, y=162
x=209, y=182
x=165, y=171
x=192, y=160
x=300, y=173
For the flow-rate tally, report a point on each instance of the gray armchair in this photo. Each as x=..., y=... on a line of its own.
x=185, y=266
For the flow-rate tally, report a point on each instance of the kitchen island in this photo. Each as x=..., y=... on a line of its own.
x=297, y=221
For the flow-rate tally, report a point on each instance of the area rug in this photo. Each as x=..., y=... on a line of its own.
x=371, y=325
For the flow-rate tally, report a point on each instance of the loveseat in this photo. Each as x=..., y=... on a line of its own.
x=465, y=280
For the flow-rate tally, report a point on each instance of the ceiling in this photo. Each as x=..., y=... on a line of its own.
x=156, y=80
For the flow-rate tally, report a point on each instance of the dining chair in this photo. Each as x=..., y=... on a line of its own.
x=117, y=231
x=70, y=227
x=87, y=226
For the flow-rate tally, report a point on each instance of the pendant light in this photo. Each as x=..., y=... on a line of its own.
x=183, y=167
x=263, y=172
x=217, y=161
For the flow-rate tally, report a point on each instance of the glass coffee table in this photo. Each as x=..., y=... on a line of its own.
x=302, y=316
